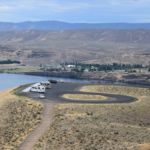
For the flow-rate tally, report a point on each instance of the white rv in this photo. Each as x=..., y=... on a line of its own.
x=37, y=88
x=46, y=84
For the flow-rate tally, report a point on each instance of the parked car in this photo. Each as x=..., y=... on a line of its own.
x=53, y=81
x=41, y=96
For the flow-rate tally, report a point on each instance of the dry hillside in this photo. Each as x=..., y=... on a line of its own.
x=96, y=46
x=19, y=116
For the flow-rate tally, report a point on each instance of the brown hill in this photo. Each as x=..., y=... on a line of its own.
x=96, y=46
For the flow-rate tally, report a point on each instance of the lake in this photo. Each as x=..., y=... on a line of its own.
x=8, y=81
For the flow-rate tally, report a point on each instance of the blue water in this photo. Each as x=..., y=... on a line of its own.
x=8, y=81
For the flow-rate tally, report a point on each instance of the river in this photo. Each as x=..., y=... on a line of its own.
x=8, y=81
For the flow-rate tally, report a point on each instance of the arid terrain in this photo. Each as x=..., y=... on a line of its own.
x=101, y=126
x=35, y=47
x=19, y=116
x=75, y=126
x=74, y=75
x=45, y=124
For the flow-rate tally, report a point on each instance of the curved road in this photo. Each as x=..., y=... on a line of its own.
x=55, y=95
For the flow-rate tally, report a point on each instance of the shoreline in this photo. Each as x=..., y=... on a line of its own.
x=70, y=80
x=95, y=80
x=136, y=80
x=90, y=80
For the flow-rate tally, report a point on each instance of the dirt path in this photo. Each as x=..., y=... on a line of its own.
x=32, y=139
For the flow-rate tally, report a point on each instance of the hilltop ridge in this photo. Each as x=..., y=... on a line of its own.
x=60, y=25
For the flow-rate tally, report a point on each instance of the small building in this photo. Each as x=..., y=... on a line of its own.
x=71, y=66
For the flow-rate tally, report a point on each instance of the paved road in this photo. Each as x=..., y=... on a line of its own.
x=55, y=94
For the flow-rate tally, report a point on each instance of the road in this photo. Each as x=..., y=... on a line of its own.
x=55, y=95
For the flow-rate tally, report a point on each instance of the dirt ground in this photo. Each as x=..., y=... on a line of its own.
x=65, y=125
x=19, y=116
x=101, y=126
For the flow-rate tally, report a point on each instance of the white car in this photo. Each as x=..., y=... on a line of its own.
x=41, y=96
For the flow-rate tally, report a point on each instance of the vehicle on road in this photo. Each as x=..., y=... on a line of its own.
x=41, y=96
x=38, y=88
x=53, y=81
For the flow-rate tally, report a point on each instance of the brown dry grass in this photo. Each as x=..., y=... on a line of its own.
x=84, y=97
x=145, y=147
x=122, y=90
x=101, y=127
x=15, y=68
x=18, y=117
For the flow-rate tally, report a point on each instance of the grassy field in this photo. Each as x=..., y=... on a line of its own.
x=17, y=68
x=101, y=127
x=19, y=116
x=84, y=97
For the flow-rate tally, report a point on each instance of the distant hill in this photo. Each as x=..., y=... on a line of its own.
x=90, y=46
x=140, y=36
x=58, y=25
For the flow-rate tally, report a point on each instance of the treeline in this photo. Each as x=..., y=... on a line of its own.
x=9, y=61
x=111, y=67
x=105, y=67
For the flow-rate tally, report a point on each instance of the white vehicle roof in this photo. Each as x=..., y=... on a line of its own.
x=38, y=85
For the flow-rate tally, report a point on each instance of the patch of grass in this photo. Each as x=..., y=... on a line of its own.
x=84, y=97
x=15, y=68
x=122, y=90
x=19, y=116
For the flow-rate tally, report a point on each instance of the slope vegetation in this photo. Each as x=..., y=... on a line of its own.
x=104, y=127
x=19, y=116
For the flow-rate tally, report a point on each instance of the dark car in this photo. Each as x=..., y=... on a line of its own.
x=53, y=81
